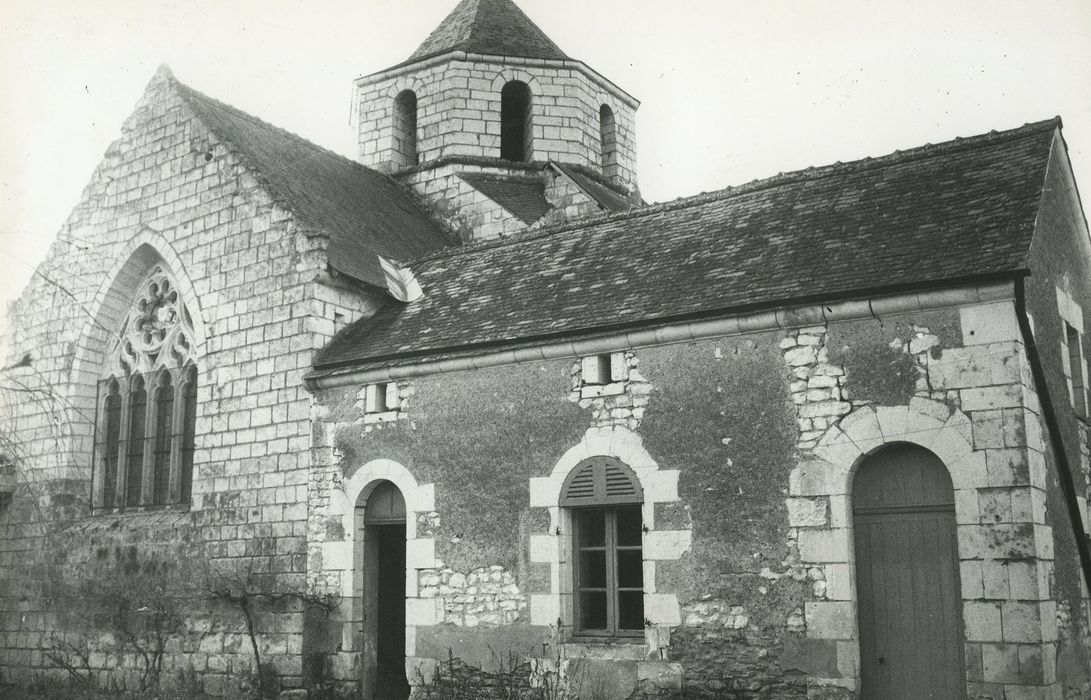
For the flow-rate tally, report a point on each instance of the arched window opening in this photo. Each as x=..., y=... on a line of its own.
x=405, y=129
x=608, y=137
x=515, y=122
x=189, y=433
x=605, y=497
x=110, y=444
x=164, y=439
x=146, y=422
x=134, y=473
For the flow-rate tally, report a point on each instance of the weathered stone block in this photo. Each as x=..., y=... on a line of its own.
x=808, y=512
x=982, y=621
x=988, y=323
x=818, y=478
x=661, y=674
x=831, y=620
x=971, y=580
x=1007, y=467
x=991, y=398
x=824, y=545
x=1000, y=663
x=666, y=545
x=812, y=657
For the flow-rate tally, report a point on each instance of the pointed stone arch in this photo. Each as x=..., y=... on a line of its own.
x=107, y=307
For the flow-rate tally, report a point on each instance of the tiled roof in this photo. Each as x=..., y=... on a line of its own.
x=364, y=213
x=932, y=215
x=523, y=197
x=606, y=197
x=495, y=27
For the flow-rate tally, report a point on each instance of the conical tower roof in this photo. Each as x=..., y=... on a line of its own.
x=495, y=27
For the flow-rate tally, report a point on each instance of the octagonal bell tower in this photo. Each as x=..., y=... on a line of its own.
x=496, y=128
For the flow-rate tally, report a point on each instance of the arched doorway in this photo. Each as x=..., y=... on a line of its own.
x=383, y=579
x=907, y=578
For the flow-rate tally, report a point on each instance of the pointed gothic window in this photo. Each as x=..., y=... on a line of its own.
x=164, y=439
x=147, y=412
x=515, y=122
x=608, y=138
x=110, y=443
x=138, y=411
x=189, y=432
x=405, y=129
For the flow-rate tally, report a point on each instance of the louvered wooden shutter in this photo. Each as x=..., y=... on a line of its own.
x=601, y=481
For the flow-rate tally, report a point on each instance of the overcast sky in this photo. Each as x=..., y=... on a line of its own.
x=732, y=90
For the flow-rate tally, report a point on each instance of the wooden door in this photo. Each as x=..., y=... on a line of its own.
x=907, y=581
x=383, y=575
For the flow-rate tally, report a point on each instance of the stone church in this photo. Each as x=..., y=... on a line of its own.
x=466, y=414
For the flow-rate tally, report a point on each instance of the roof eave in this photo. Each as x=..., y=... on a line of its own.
x=781, y=314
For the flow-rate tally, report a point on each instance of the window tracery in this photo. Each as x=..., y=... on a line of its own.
x=147, y=408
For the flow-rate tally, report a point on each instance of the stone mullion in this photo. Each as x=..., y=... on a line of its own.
x=122, y=483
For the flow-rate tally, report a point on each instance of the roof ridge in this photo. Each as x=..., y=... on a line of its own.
x=928, y=150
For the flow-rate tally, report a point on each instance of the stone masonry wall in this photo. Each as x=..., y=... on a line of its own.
x=474, y=216
x=960, y=386
x=748, y=593
x=1058, y=291
x=458, y=112
x=169, y=191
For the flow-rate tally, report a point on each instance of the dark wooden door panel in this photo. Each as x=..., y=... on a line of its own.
x=909, y=605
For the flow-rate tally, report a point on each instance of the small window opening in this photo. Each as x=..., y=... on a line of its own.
x=405, y=129
x=603, y=369
x=1076, y=370
x=608, y=138
x=382, y=398
x=515, y=121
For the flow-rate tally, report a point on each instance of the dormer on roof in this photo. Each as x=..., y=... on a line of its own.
x=489, y=93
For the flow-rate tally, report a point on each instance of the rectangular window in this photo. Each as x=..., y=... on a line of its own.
x=381, y=398
x=603, y=369
x=1076, y=370
x=609, y=568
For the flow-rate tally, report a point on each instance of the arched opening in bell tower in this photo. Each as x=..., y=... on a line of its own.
x=515, y=121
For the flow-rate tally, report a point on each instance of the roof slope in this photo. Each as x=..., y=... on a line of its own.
x=523, y=197
x=606, y=197
x=363, y=211
x=496, y=27
x=939, y=213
